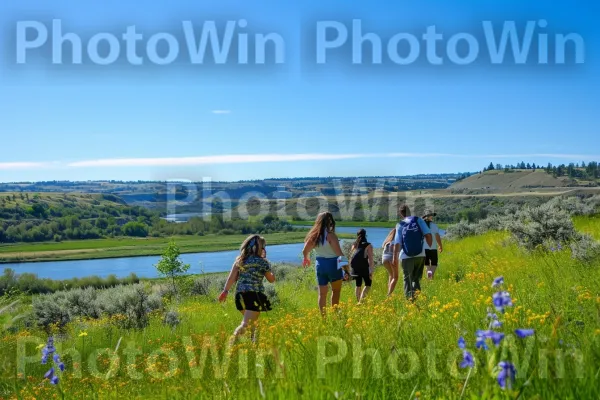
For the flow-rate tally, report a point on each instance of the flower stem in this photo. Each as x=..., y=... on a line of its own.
x=466, y=380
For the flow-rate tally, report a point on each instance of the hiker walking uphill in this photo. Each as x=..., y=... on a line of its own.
x=362, y=265
x=411, y=233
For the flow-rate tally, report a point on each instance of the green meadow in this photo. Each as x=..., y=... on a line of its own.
x=384, y=348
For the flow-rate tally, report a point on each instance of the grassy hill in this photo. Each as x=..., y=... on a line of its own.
x=513, y=180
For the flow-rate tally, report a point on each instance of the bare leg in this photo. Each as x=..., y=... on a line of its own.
x=358, y=293
x=365, y=292
x=336, y=290
x=323, y=298
x=388, y=268
x=250, y=318
x=394, y=269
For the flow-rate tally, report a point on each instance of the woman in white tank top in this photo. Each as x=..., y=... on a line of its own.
x=323, y=240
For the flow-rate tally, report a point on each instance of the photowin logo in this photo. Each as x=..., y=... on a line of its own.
x=236, y=42
x=190, y=44
x=494, y=43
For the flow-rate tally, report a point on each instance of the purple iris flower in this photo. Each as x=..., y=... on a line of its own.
x=495, y=337
x=498, y=281
x=501, y=300
x=492, y=316
x=480, y=342
x=496, y=324
x=523, y=333
x=507, y=373
x=47, y=351
x=461, y=342
x=468, y=360
x=49, y=373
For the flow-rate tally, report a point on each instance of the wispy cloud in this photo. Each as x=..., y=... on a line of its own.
x=221, y=111
x=269, y=158
x=211, y=160
x=23, y=165
x=279, y=158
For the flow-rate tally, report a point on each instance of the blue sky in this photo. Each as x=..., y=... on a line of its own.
x=231, y=122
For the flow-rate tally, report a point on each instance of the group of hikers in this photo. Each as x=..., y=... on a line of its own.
x=413, y=245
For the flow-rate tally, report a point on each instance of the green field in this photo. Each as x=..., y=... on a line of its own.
x=131, y=247
x=384, y=348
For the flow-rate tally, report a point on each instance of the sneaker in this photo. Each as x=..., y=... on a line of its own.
x=429, y=275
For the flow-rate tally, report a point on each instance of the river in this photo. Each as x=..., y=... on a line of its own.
x=219, y=261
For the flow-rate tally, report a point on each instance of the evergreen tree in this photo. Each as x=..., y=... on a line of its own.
x=528, y=166
x=491, y=166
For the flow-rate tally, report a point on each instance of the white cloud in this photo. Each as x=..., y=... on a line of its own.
x=275, y=158
x=265, y=158
x=211, y=160
x=221, y=111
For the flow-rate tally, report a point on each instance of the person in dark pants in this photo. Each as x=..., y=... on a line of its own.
x=411, y=234
x=362, y=264
x=431, y=252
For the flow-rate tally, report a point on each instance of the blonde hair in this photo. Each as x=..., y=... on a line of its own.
x=252, y=246
x=389, y=237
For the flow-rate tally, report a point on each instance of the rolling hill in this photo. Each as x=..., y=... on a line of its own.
x=513, y=181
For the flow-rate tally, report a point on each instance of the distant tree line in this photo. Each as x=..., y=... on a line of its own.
x=25, y=218
x=590, y=170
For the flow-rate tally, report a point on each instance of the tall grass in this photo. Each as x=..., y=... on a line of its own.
x=295, y=356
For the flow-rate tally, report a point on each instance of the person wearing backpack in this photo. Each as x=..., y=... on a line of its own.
x=411, y=234
x=361, y=264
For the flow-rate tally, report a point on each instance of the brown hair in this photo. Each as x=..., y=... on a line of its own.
x=404, y=210
x=389, y=237
x=252, y=246
x=361, y=236
x=316, y=235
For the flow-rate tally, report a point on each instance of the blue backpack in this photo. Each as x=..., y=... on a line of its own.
x=412, y=237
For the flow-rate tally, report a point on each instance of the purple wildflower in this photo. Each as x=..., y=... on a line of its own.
x=498, y=281
x=523, y=333
x=47, y=351
x=492, y=316
x=507, y=373
x=495, y=337
x=49, y=373
x=496, y=324
x=468, y=360
x=461, y=342
x=501, y=300
x=480, y=343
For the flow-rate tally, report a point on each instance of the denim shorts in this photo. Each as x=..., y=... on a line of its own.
x=327, y=271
